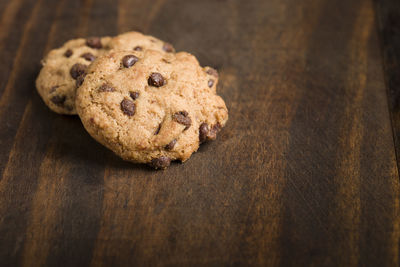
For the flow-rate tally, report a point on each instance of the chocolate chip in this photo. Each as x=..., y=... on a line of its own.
x=167, y=47
x=212, y=133
x=80, y=80
x=134, y=95
x=158, y=129
x=68, y=53
x=160, y=163
x=128, y=107
x=106, y=88
x=203, y=131
x=156, y=79
x=183, y=113
x=129, y=60
x=212, y=72
x=138, y=48
x=88, y=56
x=210, y=83
x=94, y=42
x=77, y=70
x=53, y=89
x=58, y=100
x=170, y=145
x=182, y=117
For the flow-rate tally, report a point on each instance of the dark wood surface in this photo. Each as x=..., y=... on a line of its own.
x=304, y=174
x=389, y=27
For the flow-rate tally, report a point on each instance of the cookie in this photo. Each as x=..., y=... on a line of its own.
x=139, y=42
x=151, y=107
x=64, y=68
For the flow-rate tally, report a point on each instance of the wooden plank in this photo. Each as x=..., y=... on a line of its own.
x=19, y=144
x=388, y=14
x=304, y=173
x=87, y=197
x=10, y=41
x=332, y=179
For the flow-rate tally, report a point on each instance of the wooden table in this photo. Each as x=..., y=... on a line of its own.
x=304, y=174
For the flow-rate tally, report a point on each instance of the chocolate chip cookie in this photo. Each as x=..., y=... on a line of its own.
x=149, y=106
x=64, y=69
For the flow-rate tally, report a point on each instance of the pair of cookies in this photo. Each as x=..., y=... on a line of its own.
x=135, y=95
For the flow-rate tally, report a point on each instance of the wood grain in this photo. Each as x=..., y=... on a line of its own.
x=304, y=174
x=388, y=14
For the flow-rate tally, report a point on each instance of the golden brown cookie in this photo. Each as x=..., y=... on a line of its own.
x=64, y=68
x=149, y=106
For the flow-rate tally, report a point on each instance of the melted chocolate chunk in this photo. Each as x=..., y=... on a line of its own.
x=210, y=83
x=88, y=56
x=138, y=48
x=203, y=131
x=182, y=117
x=158, y=129
x=160, y=163
x=128, y=107
x=170, y=145
x=94, y=42
x=58, y=100
x=106, y=88
x=129, y=60
x=68, y=53
x=53, y=89
x=77, y=70
x=134, y=95
x=212, y=72
x=167, y=47
x=156, y=79
x=80, y=80
x=212, y=133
